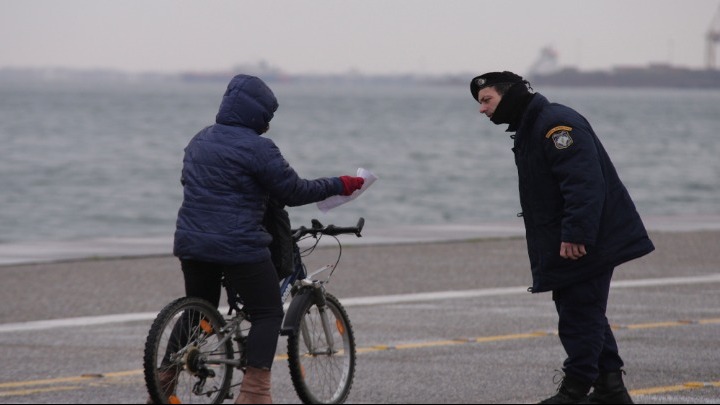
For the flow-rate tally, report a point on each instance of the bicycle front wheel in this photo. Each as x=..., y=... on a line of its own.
x=321, y=354
x=186, y=356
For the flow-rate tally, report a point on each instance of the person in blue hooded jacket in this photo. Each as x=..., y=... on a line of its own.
x=230, y=172
x=580, y=224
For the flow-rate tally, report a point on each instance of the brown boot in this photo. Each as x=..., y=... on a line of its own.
x=255, y=388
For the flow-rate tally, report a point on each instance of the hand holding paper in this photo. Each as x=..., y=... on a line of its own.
x=350, y=184
x=336, y=200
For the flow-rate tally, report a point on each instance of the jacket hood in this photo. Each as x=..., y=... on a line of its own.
x=247, y=102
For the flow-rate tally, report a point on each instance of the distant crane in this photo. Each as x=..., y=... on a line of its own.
x=712, y=38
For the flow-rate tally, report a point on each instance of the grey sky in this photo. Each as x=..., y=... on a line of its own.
x=371, y=36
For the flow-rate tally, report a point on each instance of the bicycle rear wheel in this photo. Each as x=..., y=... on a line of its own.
x=183, y=360
x=322, y=373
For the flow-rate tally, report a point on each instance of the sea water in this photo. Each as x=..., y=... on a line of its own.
x=90, y=160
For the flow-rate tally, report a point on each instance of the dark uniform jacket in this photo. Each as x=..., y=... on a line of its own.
x=570, y=192
x=229, y=173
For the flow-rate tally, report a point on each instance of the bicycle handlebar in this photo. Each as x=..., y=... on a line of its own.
x=332, y=230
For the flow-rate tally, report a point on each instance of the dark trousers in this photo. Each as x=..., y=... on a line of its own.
x=584, y=329
x=258, y=285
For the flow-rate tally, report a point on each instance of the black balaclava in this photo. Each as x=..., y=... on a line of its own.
x=511, y=107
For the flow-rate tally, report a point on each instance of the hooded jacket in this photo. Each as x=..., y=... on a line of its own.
x=571, y=192
x=229, y=173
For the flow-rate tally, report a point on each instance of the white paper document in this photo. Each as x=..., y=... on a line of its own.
x=336, y=200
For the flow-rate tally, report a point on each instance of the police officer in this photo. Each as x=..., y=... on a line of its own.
x=580, y=224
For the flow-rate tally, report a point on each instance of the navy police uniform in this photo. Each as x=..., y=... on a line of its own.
x=570, y=192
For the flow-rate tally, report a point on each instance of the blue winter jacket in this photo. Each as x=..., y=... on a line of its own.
x=570, y=192
x=229, y=172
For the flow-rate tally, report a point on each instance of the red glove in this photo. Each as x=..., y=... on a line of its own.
x=350, y=184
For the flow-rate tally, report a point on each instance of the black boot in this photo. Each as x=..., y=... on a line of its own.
x=571, y=391
x=609, y=389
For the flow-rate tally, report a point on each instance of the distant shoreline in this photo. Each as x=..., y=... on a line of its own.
x=658, y=76
x=652, y=76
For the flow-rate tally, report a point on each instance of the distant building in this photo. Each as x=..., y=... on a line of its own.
x=261, y=69
x=546, y=63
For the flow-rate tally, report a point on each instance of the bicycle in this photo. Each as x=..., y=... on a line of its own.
x=189, y=352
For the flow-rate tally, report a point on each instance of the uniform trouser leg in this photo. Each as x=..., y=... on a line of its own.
x=584, y=329
x=258, y=285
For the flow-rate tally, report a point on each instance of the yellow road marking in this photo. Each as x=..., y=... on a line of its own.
x=56, y=384
x=60, y=380
x=674, y=388
x=658, y=325
x=36, y=391
x=429, y=344
x=512, y=337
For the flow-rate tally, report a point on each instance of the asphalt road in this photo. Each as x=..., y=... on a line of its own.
x=434, y=323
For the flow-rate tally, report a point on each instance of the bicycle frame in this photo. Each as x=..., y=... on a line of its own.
x=232, y=328
x=299, y=273
x=302, y=287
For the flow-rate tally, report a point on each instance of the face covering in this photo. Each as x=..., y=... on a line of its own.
x=512, y=105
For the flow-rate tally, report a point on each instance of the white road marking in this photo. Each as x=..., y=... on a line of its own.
x=349, y=302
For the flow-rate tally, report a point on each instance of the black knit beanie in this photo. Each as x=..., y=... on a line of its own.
x=491, y=79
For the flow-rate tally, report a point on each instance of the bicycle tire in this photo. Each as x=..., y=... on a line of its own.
x=319, y=376
x=176, y=350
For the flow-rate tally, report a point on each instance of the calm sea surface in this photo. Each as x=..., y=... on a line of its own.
x=98, y=160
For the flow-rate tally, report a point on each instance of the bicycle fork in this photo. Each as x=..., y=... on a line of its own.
x=318, y=295
x=311, y=293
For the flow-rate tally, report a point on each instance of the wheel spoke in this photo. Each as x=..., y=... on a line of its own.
x=179, y=351
x=323, y=374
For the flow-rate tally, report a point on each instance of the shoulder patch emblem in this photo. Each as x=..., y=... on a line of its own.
x=560, y=136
